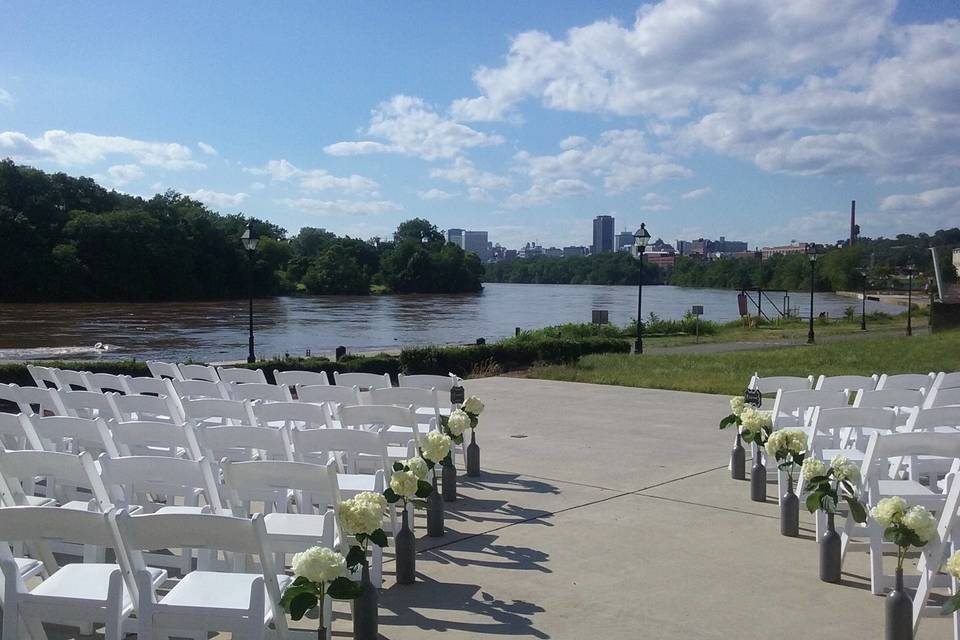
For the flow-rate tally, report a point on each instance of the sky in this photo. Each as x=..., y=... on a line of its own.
x=757, y=120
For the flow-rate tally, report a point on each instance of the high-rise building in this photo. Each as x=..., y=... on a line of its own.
x=476, y=242
x=603, y=231
x=455, y=236
x=623, y=241
x=573, y=251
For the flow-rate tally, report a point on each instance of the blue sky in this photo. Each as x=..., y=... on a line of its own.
x=756, y=120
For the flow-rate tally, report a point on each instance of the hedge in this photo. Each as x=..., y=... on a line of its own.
x=512, y=353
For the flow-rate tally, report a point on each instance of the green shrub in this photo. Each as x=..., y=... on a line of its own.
x=655, y=325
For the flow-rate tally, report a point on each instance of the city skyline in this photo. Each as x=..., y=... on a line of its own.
x=346, y=118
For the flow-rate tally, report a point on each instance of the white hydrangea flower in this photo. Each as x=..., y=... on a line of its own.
x=796, y=440
x=319, y=564
x=436, y=446
x=472, y=405
x=418, y=467
x=403, y=483
x=889, y=511
x=953, y=565
x=843, y=469
x=783, y=441
x=363, y=513
x=737, y=403
x=921, y=522
x=813, y=467
x=754, y=420
x=458, y=422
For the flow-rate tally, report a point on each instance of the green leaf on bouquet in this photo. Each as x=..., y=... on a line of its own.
x=473, y=421
x=813, y=501
x=444, y=420
x=423, y=488
x=398, y=466
x=419, y=504
x=818, y=479
x=295, y=590
x=829, y=502
x=951, y=605
x=356, y=556
x=390, y=496
x=298, y=581
x=428, y=461
x=729, y=420
x=344, y=589
x=379, y=538
x=849, y=487
x=857, y=510
x=301, y=603
x=457, y=439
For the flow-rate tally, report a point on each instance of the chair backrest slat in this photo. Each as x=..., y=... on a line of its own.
x=164, y=370
x=258, y=391
x=305, y=378
x=363, y=380
x=199, y=372
x=241, y=375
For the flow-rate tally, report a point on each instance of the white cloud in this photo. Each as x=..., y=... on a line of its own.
x=5, y=97
x=349, y=207
x=479, y=194
x=413, y=128
x=121, y=174
x=207, y=149
x=464, y=172
x=620, y=158
x=84, y=149
x=314, y=179
x=945, y=199
x=434, y=194
x=654, y=202
x=218, y=199
x=697, y=193
x=544, y=190
x=258, y=186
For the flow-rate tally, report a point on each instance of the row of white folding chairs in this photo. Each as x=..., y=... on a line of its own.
x=87, y=594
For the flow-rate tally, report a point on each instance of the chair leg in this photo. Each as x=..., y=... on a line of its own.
x=35, y=629
x=877, y=577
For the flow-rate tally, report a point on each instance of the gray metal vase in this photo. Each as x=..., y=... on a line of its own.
x=899, y=608
x=406, y=548
x=435, y=511
x=366, y=609
x=473, y=456
x=449, y=479
x=738, y=460
x=830, y=552
x=758, y=480
x=790, y=512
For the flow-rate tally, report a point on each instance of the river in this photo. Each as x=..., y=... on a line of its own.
x=217, y=331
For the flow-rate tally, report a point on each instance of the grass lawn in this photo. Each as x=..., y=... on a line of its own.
x=729, y=373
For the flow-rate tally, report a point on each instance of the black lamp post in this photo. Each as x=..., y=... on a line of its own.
x=641, y=238
x=863, y=298
x=250, y=244
x=812, y=256
x=910, y=270
x=759, y=255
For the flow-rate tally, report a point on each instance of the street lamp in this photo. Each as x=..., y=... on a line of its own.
x=811, y=252
x=641, y=238
x=863, y=298
x=759, y=255
x=910, y=270
x=250, y=244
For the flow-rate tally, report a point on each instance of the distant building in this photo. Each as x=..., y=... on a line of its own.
x=530, y=250
x=710, y=248
x=660, y=245
x=683, y=248
x=603, y=232
x=571, y=252
x=725, y=247
x=663, y=259
x=553, y=252
x=455, y=236
x=623, y=241
x=784, y=249
x=476, y=242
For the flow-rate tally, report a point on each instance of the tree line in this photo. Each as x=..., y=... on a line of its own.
x=69, y=239
x=602, y=268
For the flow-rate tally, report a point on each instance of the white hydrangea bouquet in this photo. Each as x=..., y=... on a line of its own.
x=473, y=408
x=459, y=420
x=737, y=405
x=435, y=447
x=953, y=568
x=903, y=525
x=755, y=425
x=827, y=485
x=319, y=571
x=362, y=517
x=408, y=482
x=788, y=447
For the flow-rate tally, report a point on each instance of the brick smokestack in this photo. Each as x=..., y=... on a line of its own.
x=853, y=222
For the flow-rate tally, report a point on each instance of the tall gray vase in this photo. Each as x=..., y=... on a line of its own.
x=758, y=480
x=899, y=608
x=473, y=456
x=366, y=609
x=738, y=460
x=406, y=547
x=435, y=510
x=790, y=512
x=830, y=552
x=449, y=480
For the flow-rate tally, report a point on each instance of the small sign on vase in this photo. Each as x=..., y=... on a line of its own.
x=457, y=395
x=753, y=396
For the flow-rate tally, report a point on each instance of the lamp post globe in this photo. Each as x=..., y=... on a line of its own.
x=811, y=251
x=641, y=238
x=250, y=241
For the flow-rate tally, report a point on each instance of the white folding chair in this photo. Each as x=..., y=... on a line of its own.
x=243, y=442
x=258, y=391
x=71, y=380
x=425, y=403
x=911, y=381
x=849, y=384
x=291, y=415
x=44, y=377
x=365, y=381
x=14, y=436
x=143, y=407
x=207, y=599
x=241, y=375
x=305, y=378
x=199, y=372
x=71, y=481
x=30, y=400
x=153, y=438
x=932, y=557
x=396, y=424
x=68, y=433
x=76, y=594
x=197, y=389
x=892, y=398
x=331, y=396
x=164, y=370
x=87, y=404
x=104, y=382
x=149, y=386
x=877, y=484
x=943, y=398
x=216, y=411
x=440, y=383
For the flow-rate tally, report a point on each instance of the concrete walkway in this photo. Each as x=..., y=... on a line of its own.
x=608, y=512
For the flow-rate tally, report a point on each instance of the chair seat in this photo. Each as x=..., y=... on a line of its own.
x=910, y=490
x=293, y=527
x=39, y=501
x=183, y=509
x=422, y=427
x=853, y=455
x=79, y=505
x=396, y=452
x=88, y=581
x=353, y=483
x=225, y=592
